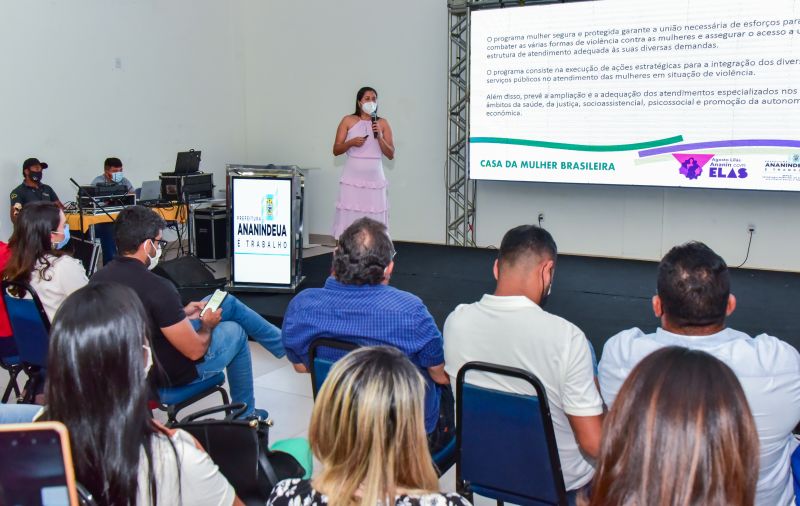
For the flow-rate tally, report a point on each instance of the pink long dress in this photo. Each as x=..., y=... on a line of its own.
x=362, y=187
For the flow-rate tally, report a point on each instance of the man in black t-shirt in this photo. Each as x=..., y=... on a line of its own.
x=32, y=189
x=188, y=347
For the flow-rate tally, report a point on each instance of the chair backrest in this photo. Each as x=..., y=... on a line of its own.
x=323, y=353
x=506, y=443
x=29, y=322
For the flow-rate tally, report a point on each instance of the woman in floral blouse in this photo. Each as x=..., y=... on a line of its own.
x=368, y=431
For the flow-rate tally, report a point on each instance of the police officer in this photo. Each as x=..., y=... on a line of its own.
x=32, y=189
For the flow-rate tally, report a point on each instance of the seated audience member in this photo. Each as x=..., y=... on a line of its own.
x=511, y=328
x=98, y=362
x=7, y=347
x=368, y=432
x=692, y=303
x=679, y=433
x=32, y=189
x=112, y=173
x=40, y=231
x=188, y=346
x=357, y=305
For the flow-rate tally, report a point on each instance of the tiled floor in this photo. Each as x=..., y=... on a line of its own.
x=285, y=393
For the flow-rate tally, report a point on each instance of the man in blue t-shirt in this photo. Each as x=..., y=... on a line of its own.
x=357, y=305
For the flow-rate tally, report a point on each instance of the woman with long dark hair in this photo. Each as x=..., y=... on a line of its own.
x=366, y=138
x=97, y=386
x=40, y=231
x=680, y=433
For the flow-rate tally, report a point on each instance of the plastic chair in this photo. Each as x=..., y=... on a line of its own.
x=31, y=328
x=174, y=399
x=506, y=444
x=321, y=364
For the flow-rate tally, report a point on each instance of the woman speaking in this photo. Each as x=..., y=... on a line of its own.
x=366, y=138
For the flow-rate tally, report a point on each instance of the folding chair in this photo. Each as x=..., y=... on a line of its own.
x=31, y=328
x=506, y=444
x=174, y=399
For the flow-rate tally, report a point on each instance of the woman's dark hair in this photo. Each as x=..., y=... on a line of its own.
x=97, y=387
x=363, y=253
x=680, y=432
x=31, y=242
x=693, y=285
x=360, y=95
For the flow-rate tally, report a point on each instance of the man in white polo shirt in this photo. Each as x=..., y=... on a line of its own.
x=693, y=301
x=510, y=328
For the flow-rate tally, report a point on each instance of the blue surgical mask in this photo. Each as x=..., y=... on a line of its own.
x=117, y=177
x=63, y=242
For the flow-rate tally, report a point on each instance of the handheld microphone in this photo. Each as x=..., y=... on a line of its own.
x=374, y=120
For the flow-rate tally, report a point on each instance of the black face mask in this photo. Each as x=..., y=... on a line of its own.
x=35, y=176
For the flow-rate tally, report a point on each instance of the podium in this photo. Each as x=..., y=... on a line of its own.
x=265, y=227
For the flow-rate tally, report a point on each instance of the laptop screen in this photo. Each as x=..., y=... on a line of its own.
x=151, y=191
x=187, y=162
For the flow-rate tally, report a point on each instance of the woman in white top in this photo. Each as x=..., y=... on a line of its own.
x=97, y=386
x=40, y=232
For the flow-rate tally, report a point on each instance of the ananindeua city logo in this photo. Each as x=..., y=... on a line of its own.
x=692, y=164
x=268, y=207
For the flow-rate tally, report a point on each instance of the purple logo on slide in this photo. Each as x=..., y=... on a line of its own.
x=692, y=164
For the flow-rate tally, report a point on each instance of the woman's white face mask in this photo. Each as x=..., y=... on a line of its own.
x=369, y=107
x=148, y=361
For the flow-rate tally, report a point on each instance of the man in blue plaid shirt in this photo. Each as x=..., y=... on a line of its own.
x=357, y=305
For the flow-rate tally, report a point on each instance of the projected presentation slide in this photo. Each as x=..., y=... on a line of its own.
x=691, y=94
x=261, y=230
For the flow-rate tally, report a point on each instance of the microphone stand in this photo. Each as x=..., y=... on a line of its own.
x=83, y=192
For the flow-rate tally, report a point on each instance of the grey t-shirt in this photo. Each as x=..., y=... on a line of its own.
x=102, y=179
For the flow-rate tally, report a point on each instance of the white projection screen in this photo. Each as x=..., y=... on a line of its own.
x=684, y=93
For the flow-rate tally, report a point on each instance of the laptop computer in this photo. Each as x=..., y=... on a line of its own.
x=188, y=162
x=150, y=194
x=36, y=466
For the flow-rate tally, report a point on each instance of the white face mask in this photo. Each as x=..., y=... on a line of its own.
x=154, y=259
x=369, y=107
x=148, y=362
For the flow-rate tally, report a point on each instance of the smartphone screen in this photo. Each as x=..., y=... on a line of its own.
x=214, y=302
x=36, y=465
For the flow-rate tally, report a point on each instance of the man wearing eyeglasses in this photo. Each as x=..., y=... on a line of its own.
x=357, y=305
x=188, y=347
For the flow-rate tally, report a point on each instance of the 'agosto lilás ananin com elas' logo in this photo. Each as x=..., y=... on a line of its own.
x=693, y=166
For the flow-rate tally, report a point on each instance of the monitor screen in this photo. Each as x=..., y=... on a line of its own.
x=627, y=92
x=261, y=228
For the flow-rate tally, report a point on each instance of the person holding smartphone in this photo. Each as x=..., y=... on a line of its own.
x=366, y=138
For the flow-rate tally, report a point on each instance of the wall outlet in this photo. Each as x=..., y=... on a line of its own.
x=751, y=228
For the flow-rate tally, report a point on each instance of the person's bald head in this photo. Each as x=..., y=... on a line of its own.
x=525, y=246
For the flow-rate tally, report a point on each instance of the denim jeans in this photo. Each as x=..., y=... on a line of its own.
x=262, y=331
x=229, y=351
x=18, y=413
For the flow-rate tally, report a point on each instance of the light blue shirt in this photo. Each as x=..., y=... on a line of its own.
x=767, y=368
x=102, y=179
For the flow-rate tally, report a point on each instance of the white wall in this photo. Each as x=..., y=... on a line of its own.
x=305, y=62
x=267, y=82
x=180, y=86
